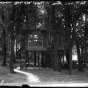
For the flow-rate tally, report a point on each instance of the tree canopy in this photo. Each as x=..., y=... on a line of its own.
x=69, y=17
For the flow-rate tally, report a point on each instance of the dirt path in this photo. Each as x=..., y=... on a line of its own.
x=30, y=76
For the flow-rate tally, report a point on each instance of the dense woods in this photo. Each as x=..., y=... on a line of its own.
x=67, y=20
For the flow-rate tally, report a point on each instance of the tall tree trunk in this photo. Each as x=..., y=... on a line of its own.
x=82, y=54
x=45, y=59
x=63, y=59
x=79, y=58
x=14, y=60
x=16, y=48
x=12, y=55
x=56, y=60
x=70, y=60
x=67, y=57
x=4, y=48
x=78, y=55
x=85, y=56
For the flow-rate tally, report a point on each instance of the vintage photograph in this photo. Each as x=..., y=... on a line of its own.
x=44, y=43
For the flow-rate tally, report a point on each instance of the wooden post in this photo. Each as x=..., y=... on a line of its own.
x=52, y=59
x=27, y=57
x=38, y=58
x=44, y=59
x=34, y=58
x=42, y=62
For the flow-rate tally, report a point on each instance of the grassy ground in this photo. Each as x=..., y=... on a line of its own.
x=45, y=76
x=7, y=77
x=48, y=75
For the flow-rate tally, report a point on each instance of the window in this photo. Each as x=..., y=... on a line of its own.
x=35, y=41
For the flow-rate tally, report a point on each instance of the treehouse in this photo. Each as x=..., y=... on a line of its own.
x=38, y=43
x=35, y=42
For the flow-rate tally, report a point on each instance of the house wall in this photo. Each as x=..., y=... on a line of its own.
x=44, y=40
